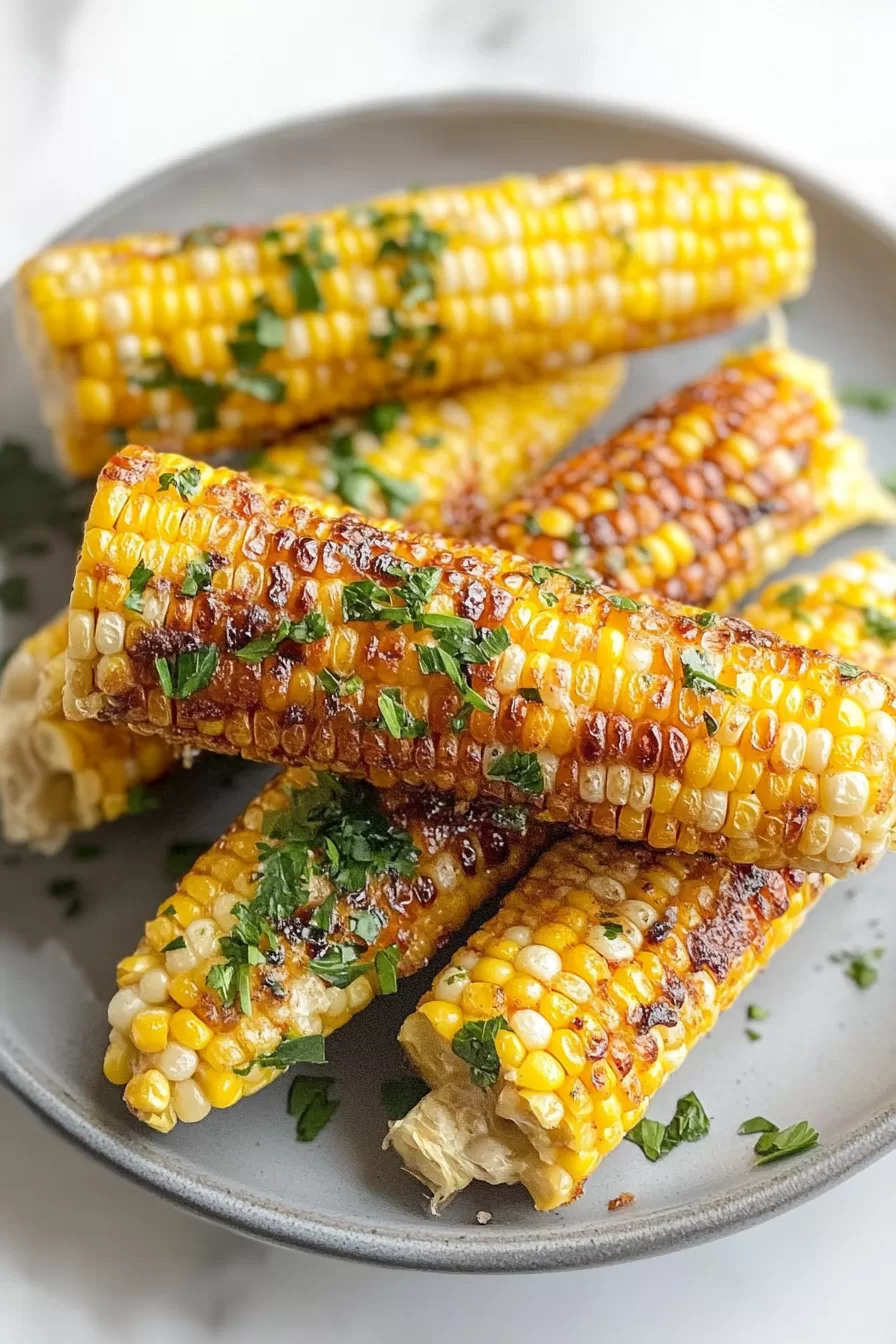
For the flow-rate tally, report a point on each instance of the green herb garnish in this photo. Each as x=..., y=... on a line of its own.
x=176, y=944
x=780, y=1143
x=706, y=619
x=142, y=799
x=198, y=576
x=203, y=396
x=712, y=723
x=187, y=483
x=308, y=630
x=757, y=1014
x=689, y=1123
x=520, y=768
x=257, y=335
x=474, y=1043
x=878, y=400
x=396, y=718
x=291, y=1050
x=332, y=684
x=187, y=673
x=698, y=675
x=310, y=1102
x=385, y=965
x=400, y=1095
x=859, y=966
x=140, y=577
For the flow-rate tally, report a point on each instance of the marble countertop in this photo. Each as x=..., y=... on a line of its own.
x=94, y=94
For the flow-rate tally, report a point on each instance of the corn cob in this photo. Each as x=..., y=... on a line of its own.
x=652, y=723
x=196, y=1021
x=58, y=777
x=722, y=483
x=444, y=465
x=848, y=611
x=226, y=337
x=602, y=969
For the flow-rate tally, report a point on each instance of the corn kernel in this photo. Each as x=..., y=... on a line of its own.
x=557, y=1008
x=149, y=1091
x=492, y=971
x=540, y=1072
x=566, y=1047
x=447, y=1018
x=221, y=1089
x=184, y=990
x=188, y=1029
x=511, y=1051
x=149, y=1030
x=117, y=1063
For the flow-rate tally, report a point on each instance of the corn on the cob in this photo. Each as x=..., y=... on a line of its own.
x=848, y=610
x=307, y=939
x=718, y=486
x=472, y=672
x=58, y=777
x=226, y=336
x=548, y=1033
x=444, y=464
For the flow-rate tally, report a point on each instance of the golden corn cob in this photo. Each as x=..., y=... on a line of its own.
x=182, y=1042
x=440, y=464
x=227, y=336
x=58, y=777
x=602, y=969
x=654, y=723
x=718, y=486
x=847, y=610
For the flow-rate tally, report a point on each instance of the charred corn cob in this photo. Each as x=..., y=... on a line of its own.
x=270, y=943
x=444, y=464
x=226, y=336
x=58, y=777
x=328, y=641
x=548, y=1033
x=721, y=484
x=848, y=610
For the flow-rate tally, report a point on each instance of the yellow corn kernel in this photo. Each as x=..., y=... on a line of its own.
x=188, y=1029
x=182, y=908
x=130, y=969
x=159, y=932
x=225, y=1052
x=579, y=1165
x=492, y=971
x=184, y=990
x=557, y=1008
x=554, y=935
x=222, y=1089
x=511, y=1051
x=566, y=1047
x=117, y=1063
x=576, y=1098
x=481, y=1001
x=445, y=1017
x=149, y=1030
x=584, y=961
x=540, y=1072
x=523, y=991
x=149, y=1091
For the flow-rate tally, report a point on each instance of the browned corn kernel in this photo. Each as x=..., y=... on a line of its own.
x=847, y=610
x=444, y=464
x=718, y=486
x=648, y=722
x=180, y=1036
x=232, y=336
x=58, y=777
x=633, y=956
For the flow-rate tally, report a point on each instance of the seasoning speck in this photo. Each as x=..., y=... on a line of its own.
x=621, y=1201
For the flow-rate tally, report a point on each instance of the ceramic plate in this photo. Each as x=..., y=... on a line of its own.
x=827, y=1054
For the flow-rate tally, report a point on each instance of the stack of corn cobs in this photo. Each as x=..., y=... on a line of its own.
x=479, y=674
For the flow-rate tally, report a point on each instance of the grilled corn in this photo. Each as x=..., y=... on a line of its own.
x=718, y=486
x=227, y=337
x=548, y=1033
x=269, y=943
x=470, y=671
x=848, y=610
x=444, y=464
x=58, y=777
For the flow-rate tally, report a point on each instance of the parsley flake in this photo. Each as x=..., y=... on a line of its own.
x=385, y=965
x=474, y=1043
x=396, y=718
x=877, y=400
x=142, y=799
x=187, y=483
x=310, y=1102
x=187, y=673
x=198, y=576
x=176, y=944
x=308, y=630
x=140, y=577
x=400, y=1095
x=520, y=768
x=698, y=675
x=689, y=1124
x=333, y=684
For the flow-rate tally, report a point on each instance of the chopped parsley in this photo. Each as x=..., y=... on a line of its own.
x=14, y=593
x=203, y=396
x=474, y=1043
x=706, y=620
x=582, y=582
x=792, y=596
x=262, y=386
x=520, y=768
x=257, y=335
x=142, y=799
x=877, y=400
x=711, y=722
x=180, y=857
x=310, y=1102
x=67, y=889
x=400, y=1095
x=187, y=483
x=140, y=577
x=689, y=1123
x=511, y=817
x=414, y=247
x=532, y=694
x=611, y=930
x=207, y=235
x=757, y=1014
x=859, y=967
x=304, y=266
x=698, y=675
x=176, y=945
x=367, y=924
x=198, y=576
x=187, y=673
x=879, y=625
x=332, y=684
x=34, y=500
x=291, y=1050
x=333, y=832
x=396, y=718
x=774, y=1143
x=385, y=965
x=752, y=1035
x=848, y=671
x=353, y=478
x=306, y=631
x=429, y=440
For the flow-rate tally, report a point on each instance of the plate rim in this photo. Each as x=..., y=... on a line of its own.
x=495, y=1249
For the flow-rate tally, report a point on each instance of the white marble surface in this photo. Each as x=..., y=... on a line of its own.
x=95, y=93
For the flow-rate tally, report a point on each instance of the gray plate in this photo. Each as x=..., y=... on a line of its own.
x=827, y=1054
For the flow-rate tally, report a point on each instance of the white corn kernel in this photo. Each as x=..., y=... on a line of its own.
x=177, y=1062
x=641, y=913
x=180, y=960
x=637, y=657
x=713, y=810
x=616, y=949
x=819, y=746
x=337, y=1002
x=510, y=669
x=619, y=782
x=882, y=729
x=466, y=958
x=190, y=1102
x=533, y=1029
x=519, y=934
x=790, y=748
x=843, y=845
x=546, y=1107
x=608, y=890
x=221, y=910
x=641, y=791
x=593, y=783
x=449, y=986
x=153, y=986
x=539, y=961
x=359, y=994
x=844, y=793
x=80, y=635
x=202, y=937
x=124, y=1007
x=573, y=986
x=870, y=692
